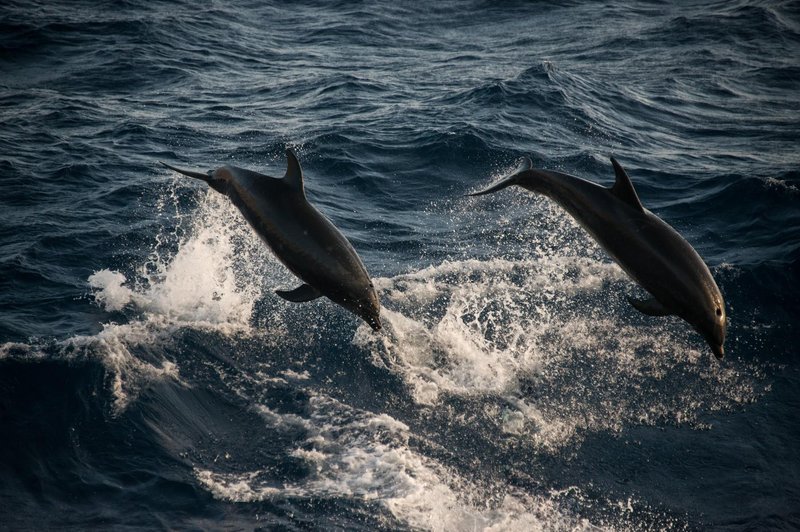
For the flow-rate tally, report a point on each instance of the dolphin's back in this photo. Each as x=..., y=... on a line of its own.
x=299, y=234
x=646, y=247
x=650, y=251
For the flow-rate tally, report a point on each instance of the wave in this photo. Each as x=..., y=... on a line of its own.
x=520, y=343
x=533, y=337
x=149, y=377
x=363, y=456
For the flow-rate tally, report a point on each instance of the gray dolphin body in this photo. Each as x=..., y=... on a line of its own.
x=302, y=238
x=649, y=250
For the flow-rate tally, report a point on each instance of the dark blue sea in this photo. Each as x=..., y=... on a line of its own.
x=150, y=378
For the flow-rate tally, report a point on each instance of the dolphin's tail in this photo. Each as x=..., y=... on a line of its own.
x=196, y=175
x=217, y=184
x=512, y=179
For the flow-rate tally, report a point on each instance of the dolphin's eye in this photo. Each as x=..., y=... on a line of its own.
x=719, y=311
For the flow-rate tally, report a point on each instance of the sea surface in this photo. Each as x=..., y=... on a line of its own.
x=150, y=378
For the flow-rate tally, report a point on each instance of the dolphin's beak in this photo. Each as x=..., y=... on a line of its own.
x=375, y=323
x=718, y=350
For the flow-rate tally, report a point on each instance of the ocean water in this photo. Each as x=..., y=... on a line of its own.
x=150, y=378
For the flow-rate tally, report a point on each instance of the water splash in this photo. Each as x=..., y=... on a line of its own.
x=211, y=282
x=213, y=279
x=551, y=347
x=368, y=457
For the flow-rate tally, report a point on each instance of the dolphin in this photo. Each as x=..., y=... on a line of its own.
x=650, y=251
x=300, y=236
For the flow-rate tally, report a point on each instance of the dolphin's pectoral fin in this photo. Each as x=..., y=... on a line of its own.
x=623, y=188
x=651, y=306
x=301, y=294
x=294, y=172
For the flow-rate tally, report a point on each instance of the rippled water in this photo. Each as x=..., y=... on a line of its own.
x=150, y=378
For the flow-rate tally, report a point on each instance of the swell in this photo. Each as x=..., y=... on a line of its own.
x=155, y=380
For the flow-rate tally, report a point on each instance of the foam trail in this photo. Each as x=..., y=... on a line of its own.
x=358, y=455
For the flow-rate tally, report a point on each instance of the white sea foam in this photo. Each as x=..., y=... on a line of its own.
x=211, y=281
x=551, y=342
x=368, y=457
x=110, y=291
x=780, y=184
x=113, y=346
x=542, y=342
x=17, y=348
x=489, y=332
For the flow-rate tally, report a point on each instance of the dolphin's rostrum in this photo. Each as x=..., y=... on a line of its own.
x=301, y=237
x=648, y=249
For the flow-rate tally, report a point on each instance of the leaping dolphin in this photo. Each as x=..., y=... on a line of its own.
x=300, y=236
x=646, y=247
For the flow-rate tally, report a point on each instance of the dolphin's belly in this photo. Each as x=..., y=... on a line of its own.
x=307, y=243
x=650, y=251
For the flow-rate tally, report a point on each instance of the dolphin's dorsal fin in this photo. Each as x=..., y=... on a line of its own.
x=623, y=188
x=294, y=173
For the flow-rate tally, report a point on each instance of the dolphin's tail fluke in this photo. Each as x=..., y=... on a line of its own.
x=512, y=179
x=196, y=175
x=506, y=182
x=217, y=184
